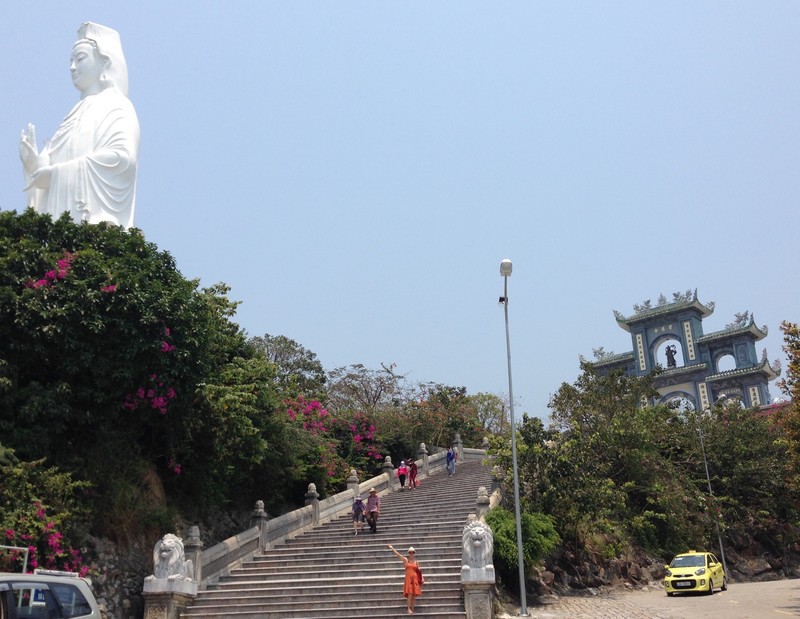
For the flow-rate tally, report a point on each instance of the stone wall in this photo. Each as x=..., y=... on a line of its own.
x=117, y=577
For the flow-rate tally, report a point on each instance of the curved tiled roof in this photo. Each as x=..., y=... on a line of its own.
x=762, y=367
x=611, y=359
x=758, y=334
x=664, y=310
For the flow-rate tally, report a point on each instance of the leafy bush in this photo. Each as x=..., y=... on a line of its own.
x=41, y=509
x=539, y=538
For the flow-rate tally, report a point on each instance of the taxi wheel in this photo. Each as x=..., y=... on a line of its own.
x=724, y=584
x=710, y=587
x=670, y=594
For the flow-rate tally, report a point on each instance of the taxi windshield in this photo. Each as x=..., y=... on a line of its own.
x=689, y=561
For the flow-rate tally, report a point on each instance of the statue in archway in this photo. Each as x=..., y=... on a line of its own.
x=670, y=351
x=88, y=168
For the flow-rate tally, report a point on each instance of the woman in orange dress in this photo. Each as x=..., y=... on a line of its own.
x=412, y=586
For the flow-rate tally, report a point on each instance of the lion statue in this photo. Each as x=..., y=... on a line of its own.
x=477, y=545
x=169, y=561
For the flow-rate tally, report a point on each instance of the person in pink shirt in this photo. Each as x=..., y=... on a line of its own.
x=373, y=509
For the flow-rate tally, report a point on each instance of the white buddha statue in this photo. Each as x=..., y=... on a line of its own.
x=88, y=168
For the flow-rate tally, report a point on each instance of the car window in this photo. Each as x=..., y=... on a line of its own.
x=33, y=601
x=72, y=601
x=49, y=601
x=689, y=561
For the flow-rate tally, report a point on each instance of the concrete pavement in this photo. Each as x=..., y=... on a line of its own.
x=758, y=600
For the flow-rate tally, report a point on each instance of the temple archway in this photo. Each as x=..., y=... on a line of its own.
x=669, y=335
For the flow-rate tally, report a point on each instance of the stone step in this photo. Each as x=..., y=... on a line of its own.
x=354, y=568
x=344, y=555
x=351, y=573
x=295, y=588
x=345, y=529
x=311, y=610
x=396, y=610
x=384, y=535
x=337, y=598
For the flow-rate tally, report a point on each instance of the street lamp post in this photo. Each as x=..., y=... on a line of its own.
x=505, y=271
x=711, y=494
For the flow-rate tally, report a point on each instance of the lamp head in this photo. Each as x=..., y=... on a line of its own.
x=505, y=267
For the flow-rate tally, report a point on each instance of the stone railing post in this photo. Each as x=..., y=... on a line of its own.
x=312, y=498
x=352, y=482
x=388, y=468
x=422, y=454
x=259, y=518
x=459, y=447
x=477, y=571
x=482, y=506
x=485, y=443
x=194, y=549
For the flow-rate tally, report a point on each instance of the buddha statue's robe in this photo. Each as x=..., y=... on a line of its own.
x=94, y=155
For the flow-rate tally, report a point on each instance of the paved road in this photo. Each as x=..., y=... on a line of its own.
x=758, y=600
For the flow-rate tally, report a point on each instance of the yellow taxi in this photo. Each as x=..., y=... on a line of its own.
x=694, y=571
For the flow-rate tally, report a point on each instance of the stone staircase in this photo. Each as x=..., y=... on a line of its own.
x=329, y=572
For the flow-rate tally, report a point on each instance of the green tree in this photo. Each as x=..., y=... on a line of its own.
x=789, y=413
x=108, y=356
x=298, y=371
x=491, y=411
x=356, y=387
x=610, y=471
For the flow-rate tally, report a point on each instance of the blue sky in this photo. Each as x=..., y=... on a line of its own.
x=356, y=171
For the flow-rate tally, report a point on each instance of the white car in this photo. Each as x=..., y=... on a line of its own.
x=61, y=595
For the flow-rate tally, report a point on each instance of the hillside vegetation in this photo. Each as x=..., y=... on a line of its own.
x=130, y=400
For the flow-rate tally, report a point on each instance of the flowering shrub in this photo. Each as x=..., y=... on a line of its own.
x=339, y=444
x=47, y=546
x=156, y=395
x=52, y=276
x=38, y=508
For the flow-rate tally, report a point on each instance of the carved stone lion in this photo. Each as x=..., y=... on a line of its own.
x=477, y=545
x=169, y=561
